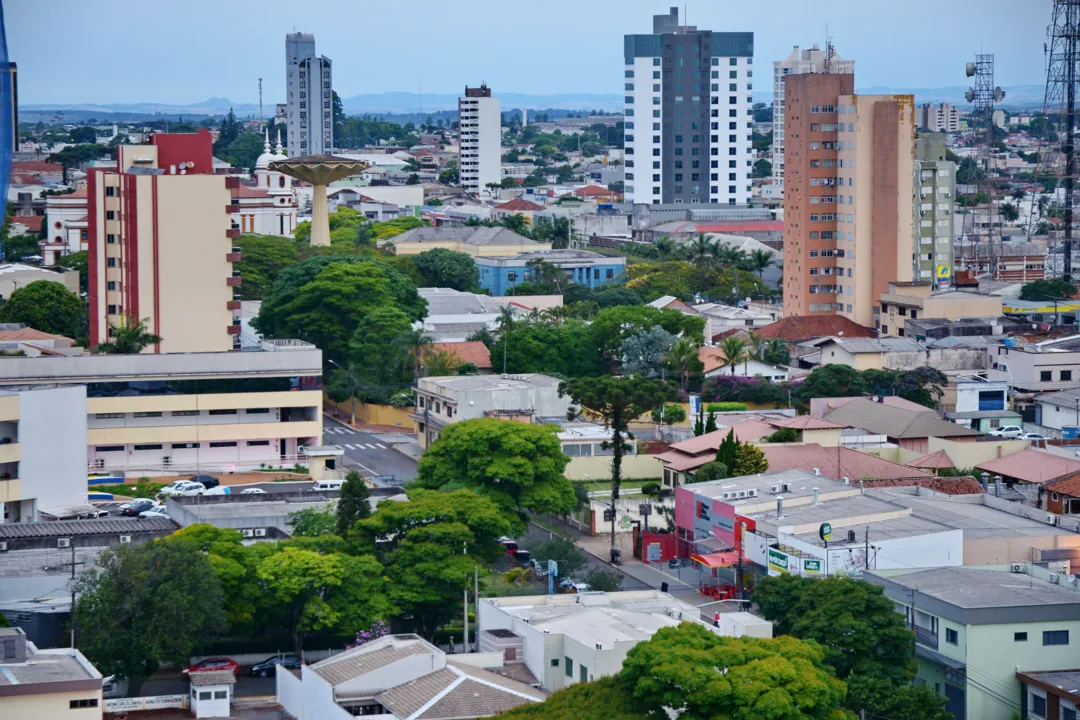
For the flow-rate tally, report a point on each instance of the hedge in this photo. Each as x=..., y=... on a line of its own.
x=725, y=407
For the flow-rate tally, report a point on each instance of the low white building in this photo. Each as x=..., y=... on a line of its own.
x=211, y=693
x=66, y=226
x=403, y=677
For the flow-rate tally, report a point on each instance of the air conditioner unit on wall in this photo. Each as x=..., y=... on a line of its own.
x=3, y=545
x=247, y=533
x=752, y=492
x=260, y=532
x=1017, y=568
x=63, y=542
x=125, y=539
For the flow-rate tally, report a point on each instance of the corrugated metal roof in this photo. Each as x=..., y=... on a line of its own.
x=69, y=528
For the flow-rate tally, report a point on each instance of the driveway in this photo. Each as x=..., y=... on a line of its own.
x=367, y=452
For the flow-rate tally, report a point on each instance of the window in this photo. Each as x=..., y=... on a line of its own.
x=109, y=448
x=221, y=694
x=222, y=444
x=222, y=412
x=86, y=703
x=9, y=649
x=951, y=636
x=554, y=662
x=1055, y=637
x=108, y=416
x=110, y=191
x=110, y=214
x=1066, y=375
x=110, y=262
x=569, y=668
x=1020, y=637
x=257, y=411
x=258, y=443
x=184, y=446
x=205, y=694
x=583, y=673
x=1038, y=704
x=147, y=414
x=1067, y=714
x=146, y=447
x=110, y=239
x=1046, y=375
x=184, y=413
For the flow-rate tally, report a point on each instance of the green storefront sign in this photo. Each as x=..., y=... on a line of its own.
x=778, y=561
x=811, y=567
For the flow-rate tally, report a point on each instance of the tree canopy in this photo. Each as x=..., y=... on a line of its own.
x=263, y=258
x=517, y=465
x=46, y=306
x=447, y=269
x=564, y=350
x=614, y=325
x=1047, y=290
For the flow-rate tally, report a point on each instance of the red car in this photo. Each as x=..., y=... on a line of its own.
x=212, y=664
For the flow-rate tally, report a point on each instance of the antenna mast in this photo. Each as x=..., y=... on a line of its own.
x=1061, y=81
x=260, y=104
x=983, y=96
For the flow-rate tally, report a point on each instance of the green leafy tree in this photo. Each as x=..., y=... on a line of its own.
x=604, y=699
x=334, y=592
x=430, y=546
x=323, y=300
x=375, y=349
x=447, y=269
x=228, y=131
x=245, y=150
x=602, y=580
x=881, y=698
x=710, y=422
x=704, y=675
x=728, y=452
x=699, y=426
x=852, y=620
x=612, y=326
x=146, y=605
x=130, y=338
x=519, y=466
x=711, y=471
x=312, y=522
x=263, y=258
x=84, y=135
x=616, y=401
x=923, y=385
x=776, y=353
x=830, y=381
x=440, y=362
x=569, y=556
x=46, y=306
x=643, y=354
x=1048, y=290
x=749, y=460
x=762, y=168
x=683, y=358
x=353, y=504
x=565, y=350
x=76, y=261
x=672, y=415
x=74, y=156
x=414, y=342
x=761, y=260
x=1009, y=212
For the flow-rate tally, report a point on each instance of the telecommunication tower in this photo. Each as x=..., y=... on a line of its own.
x=983, y=96
x=1063, y=37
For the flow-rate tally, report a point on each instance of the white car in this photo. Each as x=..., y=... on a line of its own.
x=1032, y=436
x=155, y=513
x=253, y=491
x=1007, y=431
x=183, y=488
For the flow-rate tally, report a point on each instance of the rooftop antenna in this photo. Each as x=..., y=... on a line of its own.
x=828, y=50
x=684, y=18
x=1061, y=89
x=260, y=104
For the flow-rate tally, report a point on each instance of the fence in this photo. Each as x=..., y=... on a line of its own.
x=372, y=414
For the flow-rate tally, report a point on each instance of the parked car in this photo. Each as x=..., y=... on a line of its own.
x=510, y=545
x=568, y=585
x=94, y=514
x=207, y=481
x=1032, y=436
x=114, y=687
x=138, y=506
x=183, y=488
x=675, y=563
x=269, y=666
x=253, y=491
x=523, y=557
x=1010, y=432
x=158, y=512
x=212, y=664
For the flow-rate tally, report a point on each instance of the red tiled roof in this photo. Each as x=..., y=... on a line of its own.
x=1068, y=485
x=834, y=462
x=474, y=352
x=593, y=190
x=36, y=166
x=753, y=226
x=1033, y=466
x=943, y=485
x=243, y=191
x=29, y=333
x=806, y=422
x=517, y=204
x=33, y=222
x=796, y=329
x=933, y=461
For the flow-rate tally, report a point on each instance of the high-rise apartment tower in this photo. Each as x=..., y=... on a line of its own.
x=688, y=114
x=480, y=153
x=309, y=97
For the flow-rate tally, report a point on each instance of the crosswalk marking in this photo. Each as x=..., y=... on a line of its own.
x=371, y=447
x=381, y=446
x=350, y=446
x=340, y=430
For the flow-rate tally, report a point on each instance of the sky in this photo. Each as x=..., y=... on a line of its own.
x=121, y=51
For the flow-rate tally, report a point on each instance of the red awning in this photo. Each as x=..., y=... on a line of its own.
x=715, y=560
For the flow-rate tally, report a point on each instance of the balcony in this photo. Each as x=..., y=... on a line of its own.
x=233, y=330
x=232, y=233
x=233, y=257
x=235, y=281
x=925, y=637
x=232, y=209
x=232, y=305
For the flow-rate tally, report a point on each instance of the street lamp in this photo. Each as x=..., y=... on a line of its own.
x=352, y=389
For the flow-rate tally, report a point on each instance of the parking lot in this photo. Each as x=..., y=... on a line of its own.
x=171, y=682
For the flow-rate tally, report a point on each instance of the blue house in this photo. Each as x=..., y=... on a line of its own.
x=501, y=274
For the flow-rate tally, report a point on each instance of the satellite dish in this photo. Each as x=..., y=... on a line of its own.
x=999, y=94
x=970, y=69
x=969, y=95
x=748, y=300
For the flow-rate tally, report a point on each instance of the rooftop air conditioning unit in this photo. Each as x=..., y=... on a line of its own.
x=742, y=493
x=63, y=542
x=3, y=545
x=784, y=487
x=248, y=533
x=774, y=489
x=125, y=539
x=1055, y=578
x=752, y=492
x=1051, y=519
x=260, y=532
x=1017, y=568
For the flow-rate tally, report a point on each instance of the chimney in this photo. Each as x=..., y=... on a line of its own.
x=997, y=486
x=13, y=645
x=779, y=506
x=815, y=496
x=986, y=477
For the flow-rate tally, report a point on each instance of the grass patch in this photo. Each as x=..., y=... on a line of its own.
x=138, y=490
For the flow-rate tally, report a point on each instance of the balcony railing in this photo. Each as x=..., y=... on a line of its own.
x=925, y=637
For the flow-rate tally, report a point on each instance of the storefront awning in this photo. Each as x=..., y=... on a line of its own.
x=715, y=560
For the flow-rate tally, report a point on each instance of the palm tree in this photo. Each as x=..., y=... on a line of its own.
x=130, y=338
x=700, y=251
x=506, y=323
x=680, y=358
x=1019, y=194
x=414, y=342
x=553, y=315
x=735, y=352
x=665, y=248
x=760, y=261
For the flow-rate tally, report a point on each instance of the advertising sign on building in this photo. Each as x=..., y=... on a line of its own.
x=811, y=566
x=158, y=702
x=778, y=562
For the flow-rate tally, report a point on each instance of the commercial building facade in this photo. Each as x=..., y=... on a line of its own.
x=309, y=102
x=905, y=301
x=185, y=412
x=799, y=62
x=480, y=144
x=160, y=245
x=688, y=114
x=935, y=185
x=501, y=274
x=848, y=197
x=942, y=117
x=46, y=684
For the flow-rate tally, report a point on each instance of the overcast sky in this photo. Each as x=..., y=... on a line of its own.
x=75, y=51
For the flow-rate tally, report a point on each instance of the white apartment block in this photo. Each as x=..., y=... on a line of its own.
x=942, y=117
x=309, y=101
x=688, y=115
x=799, y=62
x=480, y=147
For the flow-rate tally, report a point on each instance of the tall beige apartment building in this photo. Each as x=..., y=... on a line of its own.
x=848, y=196
x=160, y=246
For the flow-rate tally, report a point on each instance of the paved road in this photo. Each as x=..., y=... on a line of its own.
x=366, y=452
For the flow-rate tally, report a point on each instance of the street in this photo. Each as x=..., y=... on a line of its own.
x=366, y=452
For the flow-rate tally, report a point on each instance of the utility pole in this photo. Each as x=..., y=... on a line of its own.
x=73, y=565
x=476, y=605
x=465, y=609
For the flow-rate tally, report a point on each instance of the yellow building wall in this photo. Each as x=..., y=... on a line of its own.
x=970, y=454
x=634, y=467
x=10, y=491
x=373, y=414
x=51, y=706
x=208, y=401
x=9, y=408
x=203, y=433
x=825, y=438
x=9, y=453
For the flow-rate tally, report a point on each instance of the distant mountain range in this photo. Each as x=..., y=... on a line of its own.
x=1016, y=96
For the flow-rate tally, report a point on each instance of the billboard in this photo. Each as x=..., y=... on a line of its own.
x=778, y=562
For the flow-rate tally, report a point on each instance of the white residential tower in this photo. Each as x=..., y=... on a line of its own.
x=309, y=102
x=480, y=154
